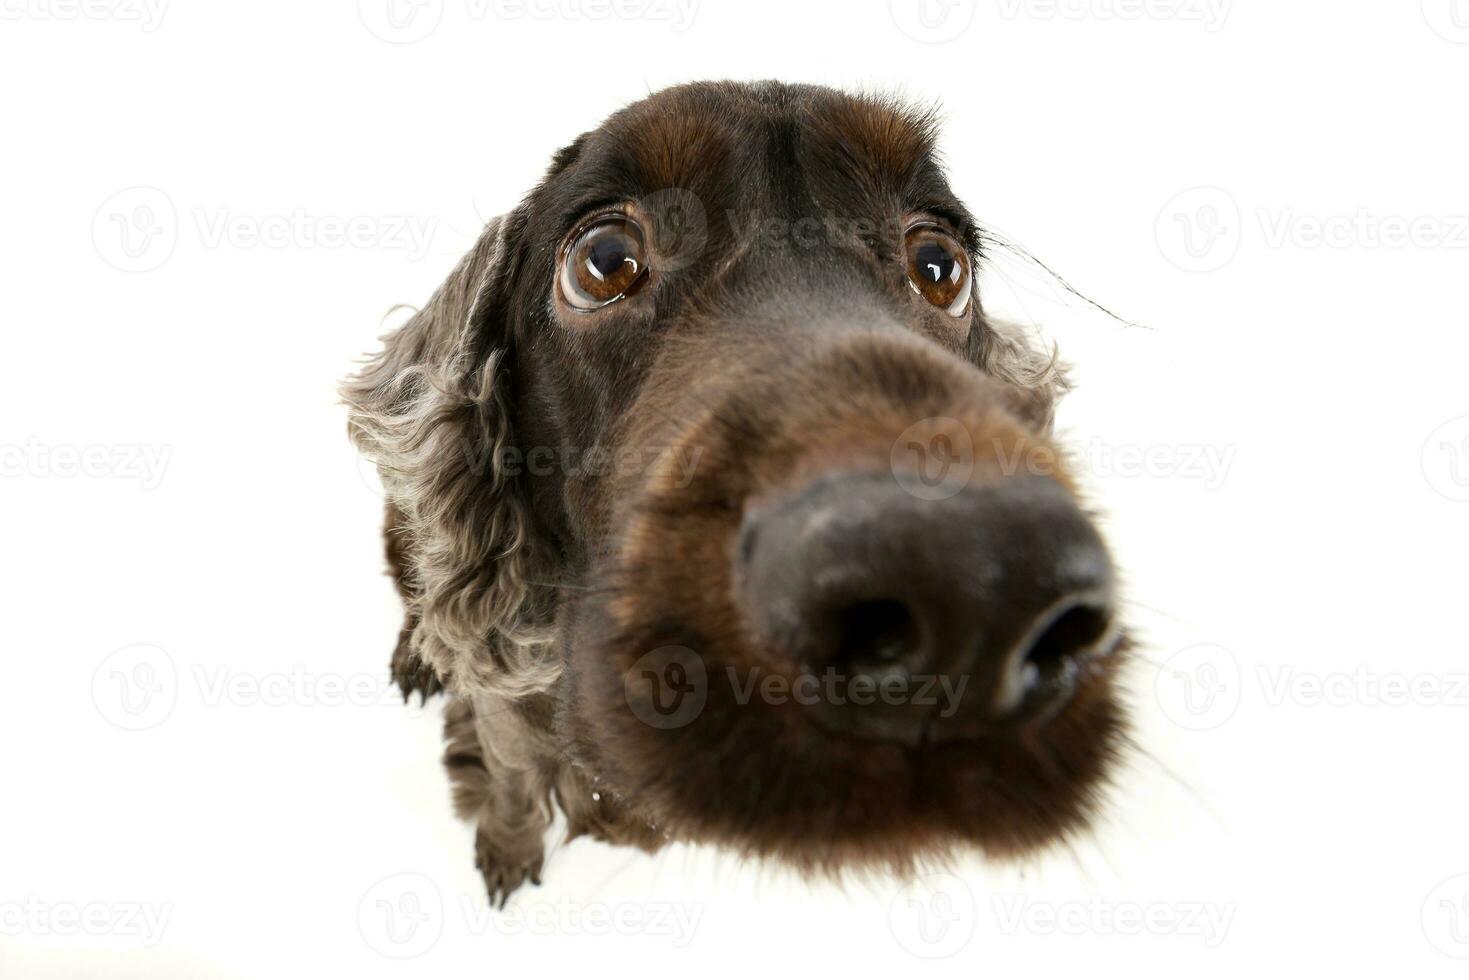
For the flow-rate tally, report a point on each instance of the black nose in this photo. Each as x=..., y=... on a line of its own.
x=927, y=619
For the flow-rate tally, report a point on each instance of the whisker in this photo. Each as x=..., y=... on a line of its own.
x=992, y=236
x=1188, y=788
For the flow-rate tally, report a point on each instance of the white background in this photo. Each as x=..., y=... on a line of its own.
x=1295, y=809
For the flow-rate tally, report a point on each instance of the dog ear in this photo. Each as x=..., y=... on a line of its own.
x=1036, y=378
x=432, y=411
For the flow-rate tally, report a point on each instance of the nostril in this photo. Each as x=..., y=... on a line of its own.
x=1079, y=628
x=1005, y=590
x=1042, y=671
x=875, y=634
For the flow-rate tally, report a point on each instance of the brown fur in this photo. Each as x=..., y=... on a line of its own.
x=531, y=593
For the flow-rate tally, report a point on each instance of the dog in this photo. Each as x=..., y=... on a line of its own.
x=722, y=512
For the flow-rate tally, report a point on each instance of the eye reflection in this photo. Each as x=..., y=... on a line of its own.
x=938, y=268
x=604, y=264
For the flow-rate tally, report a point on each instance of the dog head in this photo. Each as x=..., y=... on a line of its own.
x=711, y=441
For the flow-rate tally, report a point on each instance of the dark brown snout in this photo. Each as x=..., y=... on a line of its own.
x=921, y=619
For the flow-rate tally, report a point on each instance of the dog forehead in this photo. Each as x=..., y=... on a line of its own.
x=770, y=138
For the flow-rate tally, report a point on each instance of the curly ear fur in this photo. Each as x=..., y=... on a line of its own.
x=431, y=411
x=1038, y=377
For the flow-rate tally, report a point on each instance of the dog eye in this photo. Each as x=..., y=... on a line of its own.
x=938, y=268
x=604, y=264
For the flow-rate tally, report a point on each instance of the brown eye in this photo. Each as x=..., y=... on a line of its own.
x=604, y=264
x=938, y=268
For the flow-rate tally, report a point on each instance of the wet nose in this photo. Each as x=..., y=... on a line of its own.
x=927, y=619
